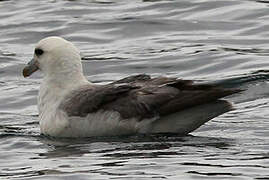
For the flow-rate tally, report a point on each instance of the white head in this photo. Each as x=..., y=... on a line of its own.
x=55, y=57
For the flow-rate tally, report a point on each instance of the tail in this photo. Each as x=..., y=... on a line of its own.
x=188, y=120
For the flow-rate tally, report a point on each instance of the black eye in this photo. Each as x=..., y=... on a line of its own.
x=39, y=52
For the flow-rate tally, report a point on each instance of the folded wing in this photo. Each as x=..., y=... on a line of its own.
x=142, y=97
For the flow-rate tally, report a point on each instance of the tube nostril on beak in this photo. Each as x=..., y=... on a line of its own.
x=30, y=68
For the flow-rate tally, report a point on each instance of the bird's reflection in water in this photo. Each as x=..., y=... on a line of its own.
x=139, y=146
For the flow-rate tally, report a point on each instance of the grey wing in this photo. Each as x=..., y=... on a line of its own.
x=142, y=97
x=162, y=96
x=90, y=99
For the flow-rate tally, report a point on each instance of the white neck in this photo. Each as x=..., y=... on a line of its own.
x=55, y=86
x=65, y=81
x=52, y=91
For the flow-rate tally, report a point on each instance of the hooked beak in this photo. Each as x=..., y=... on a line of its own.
x=30, y=68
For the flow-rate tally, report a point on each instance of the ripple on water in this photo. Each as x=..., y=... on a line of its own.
x=221, y=42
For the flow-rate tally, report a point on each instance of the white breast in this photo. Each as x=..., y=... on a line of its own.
x=51, y=121
x=55, y=122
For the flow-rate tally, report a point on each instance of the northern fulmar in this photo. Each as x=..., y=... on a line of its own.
x=71, y=106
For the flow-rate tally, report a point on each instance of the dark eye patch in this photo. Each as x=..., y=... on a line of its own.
x=39, y=52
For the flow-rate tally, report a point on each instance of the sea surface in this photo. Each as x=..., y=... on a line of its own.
x=224, y=42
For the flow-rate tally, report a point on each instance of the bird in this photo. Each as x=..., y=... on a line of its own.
x=70, y=106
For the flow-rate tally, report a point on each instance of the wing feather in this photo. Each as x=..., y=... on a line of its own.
x=142, y=97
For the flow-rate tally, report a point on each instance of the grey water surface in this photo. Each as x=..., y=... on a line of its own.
x=224, y=42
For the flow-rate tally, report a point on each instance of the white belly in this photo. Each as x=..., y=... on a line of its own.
x=101, y=123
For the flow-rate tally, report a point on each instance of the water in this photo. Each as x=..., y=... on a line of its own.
x=224, y=42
